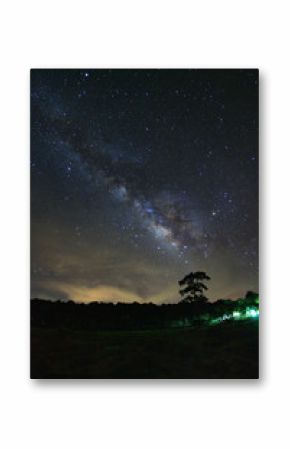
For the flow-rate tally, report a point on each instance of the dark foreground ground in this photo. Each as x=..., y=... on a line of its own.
x=225, y=351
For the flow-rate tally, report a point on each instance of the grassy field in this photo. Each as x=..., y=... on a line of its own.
x=225, y=351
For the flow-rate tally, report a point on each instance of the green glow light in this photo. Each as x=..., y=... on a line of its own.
x=236, y=314
x=216, y=320
x=252, y=313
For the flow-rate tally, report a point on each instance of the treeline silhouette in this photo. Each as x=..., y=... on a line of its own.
x=131, y=316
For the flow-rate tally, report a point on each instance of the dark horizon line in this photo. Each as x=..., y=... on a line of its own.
x=64, y=301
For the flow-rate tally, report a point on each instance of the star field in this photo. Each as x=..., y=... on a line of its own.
x=140, y=176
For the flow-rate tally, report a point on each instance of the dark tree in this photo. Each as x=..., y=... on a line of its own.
x=195, y=287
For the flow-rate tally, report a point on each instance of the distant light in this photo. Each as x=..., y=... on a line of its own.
x=216, y=320
x=252, y=313
x=236, y=314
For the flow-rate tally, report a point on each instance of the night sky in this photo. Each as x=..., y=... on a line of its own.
x=139, y=177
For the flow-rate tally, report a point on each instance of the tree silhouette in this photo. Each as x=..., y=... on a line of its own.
x=194, y=287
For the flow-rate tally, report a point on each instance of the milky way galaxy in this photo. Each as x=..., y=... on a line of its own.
x=139, y=177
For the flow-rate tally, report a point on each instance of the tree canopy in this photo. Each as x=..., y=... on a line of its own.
x=194, y=287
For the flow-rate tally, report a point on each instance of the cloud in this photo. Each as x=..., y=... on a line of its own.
x=82, y=293
x=62, y=269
